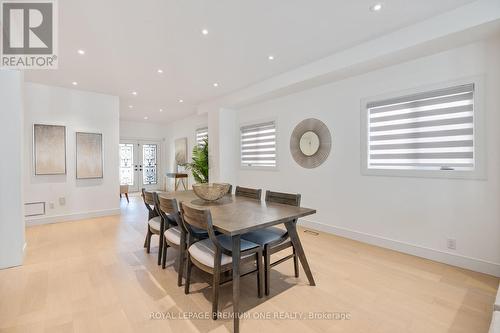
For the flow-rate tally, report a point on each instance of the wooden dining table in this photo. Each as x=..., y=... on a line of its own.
x=235, y=215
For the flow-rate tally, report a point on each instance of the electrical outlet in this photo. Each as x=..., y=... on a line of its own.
x=51, y=205
x=451, y=243
x=62, y=201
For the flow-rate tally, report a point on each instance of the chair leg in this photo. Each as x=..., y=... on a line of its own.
x=215, y=290
x=148, y=249
x=126, y=196
x=160, y=247
x=164, y=254
x=146, y=239
x=188, y=274
x=295, y=263
x=267, y=269
x=260, y=274
x=182, y=260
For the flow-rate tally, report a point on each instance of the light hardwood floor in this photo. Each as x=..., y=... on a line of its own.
x=94, y=276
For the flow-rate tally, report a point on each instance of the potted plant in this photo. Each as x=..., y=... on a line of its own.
x=199, y=165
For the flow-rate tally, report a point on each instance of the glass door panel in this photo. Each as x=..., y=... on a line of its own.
x=149, y=162
x=127, y=167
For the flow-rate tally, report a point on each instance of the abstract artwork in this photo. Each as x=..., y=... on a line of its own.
x=89, y=155
x=180, y=151
x=49, y=149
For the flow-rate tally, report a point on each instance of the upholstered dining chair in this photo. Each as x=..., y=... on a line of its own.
x=124, y=190
x=275, y=239
x=213, y=255
x=174, y=232
x=155, y=226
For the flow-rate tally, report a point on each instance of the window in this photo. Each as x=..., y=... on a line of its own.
x=433, y=130
x=258, y=145
x=201, y=135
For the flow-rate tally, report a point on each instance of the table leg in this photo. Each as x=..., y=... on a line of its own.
x=291, y=227
x=236, y=282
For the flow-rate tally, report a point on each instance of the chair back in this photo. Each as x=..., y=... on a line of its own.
x=149, y=202
x=168, y=210
x=201, y=219
x=283, y=198
x=248, y=192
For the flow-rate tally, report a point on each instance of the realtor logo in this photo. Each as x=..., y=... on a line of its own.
x=29, y=34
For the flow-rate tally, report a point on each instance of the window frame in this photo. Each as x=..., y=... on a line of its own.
x=258, y=167
x=479, y=172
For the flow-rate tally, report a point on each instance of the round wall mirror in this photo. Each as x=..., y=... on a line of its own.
x=310, y=143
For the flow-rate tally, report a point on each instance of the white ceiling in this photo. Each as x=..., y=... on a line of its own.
x=127, y=41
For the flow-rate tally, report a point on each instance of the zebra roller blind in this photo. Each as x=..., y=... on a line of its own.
x=201, y=135
x=258, y=145
x=427, y=131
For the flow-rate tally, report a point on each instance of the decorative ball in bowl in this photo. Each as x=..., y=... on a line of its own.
x=211, y=191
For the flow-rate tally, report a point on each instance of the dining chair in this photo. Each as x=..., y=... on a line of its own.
x=174, y=232
x=124, y=190
x=155, y=225
x=248, y=192
x=213, y=255
x=230, y=190
x=274, y=239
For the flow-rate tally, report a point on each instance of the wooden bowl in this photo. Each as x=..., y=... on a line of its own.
x=211, y=191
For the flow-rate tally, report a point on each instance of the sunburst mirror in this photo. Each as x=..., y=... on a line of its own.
x=310, y=143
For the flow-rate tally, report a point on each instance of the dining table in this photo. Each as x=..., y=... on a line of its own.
x=236, y=215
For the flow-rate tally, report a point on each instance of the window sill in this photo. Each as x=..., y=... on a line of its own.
x=433, y=174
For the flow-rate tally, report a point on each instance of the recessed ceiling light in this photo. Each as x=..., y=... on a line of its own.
x=130, y=106
x=134, y=93
x=204, y=31
x=181, y=101
x=146, y=118
x=74, y=83
x=161, y=110
x=160, y=71
x=271, y=57
x=216, y=84
x=81, y=52
x=376, y=7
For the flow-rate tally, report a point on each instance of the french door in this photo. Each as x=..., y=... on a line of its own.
x=139, y=164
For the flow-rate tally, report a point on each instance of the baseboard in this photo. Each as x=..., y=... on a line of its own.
x=453, y=259
x=70, y=217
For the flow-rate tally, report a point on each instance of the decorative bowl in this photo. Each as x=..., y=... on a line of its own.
x=211, y=191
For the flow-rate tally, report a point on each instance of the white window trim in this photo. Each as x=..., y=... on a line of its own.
x=259, y=168
x=479, y=172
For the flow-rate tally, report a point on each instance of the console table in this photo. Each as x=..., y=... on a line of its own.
x=178, y=179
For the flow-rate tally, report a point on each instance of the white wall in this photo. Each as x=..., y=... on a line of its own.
x=145, y=131
x=11, y=189
x=414, y=215
x=179, y=129
x=78, y=111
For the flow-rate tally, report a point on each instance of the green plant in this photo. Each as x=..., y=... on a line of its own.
x=199, y=165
